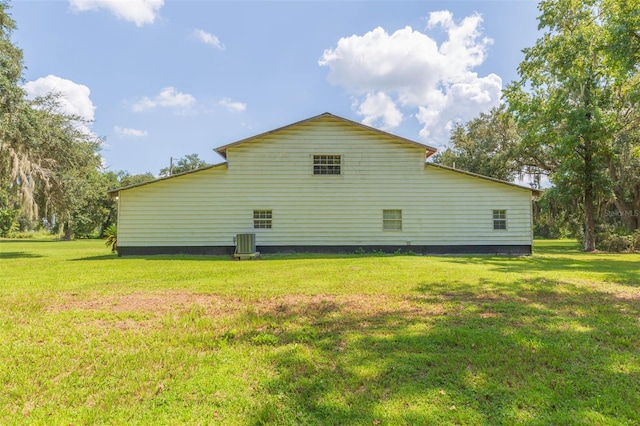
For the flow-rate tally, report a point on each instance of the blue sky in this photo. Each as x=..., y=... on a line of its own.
x=163, y=79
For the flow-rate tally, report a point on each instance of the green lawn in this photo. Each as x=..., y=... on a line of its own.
x=86, y=337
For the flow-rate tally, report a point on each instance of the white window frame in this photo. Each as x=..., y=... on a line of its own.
x=326, y=165
x=392, y=220
x=262, y=219
x=499, y=219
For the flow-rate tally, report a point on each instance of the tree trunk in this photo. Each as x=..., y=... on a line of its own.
x=589, y=207
x=589, y=220
x=629, y=220
x=67, y=232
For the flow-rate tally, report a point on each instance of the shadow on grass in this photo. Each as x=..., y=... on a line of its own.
x=18, y=255
x=444, y=358
x=263, y=258
x=111, y=256
x=33, y=240
x=623, y=271
x=162, y=257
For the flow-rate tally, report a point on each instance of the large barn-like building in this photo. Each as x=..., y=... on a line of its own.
x=325, y=184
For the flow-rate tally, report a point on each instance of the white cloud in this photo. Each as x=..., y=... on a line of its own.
x=462, y=102
x=168, y=97
x=124, y=131
x=208, y=38
x=140, y=12
x=233, y=106
x=407, y=70
x=380, y=106
x=73, y=98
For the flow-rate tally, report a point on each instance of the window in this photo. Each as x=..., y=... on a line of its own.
x=262, y=219
x=326, y=164
x=500, y=219
x=392, y=220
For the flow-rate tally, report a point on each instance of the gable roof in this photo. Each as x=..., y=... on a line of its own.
x=222, y=150
x=504, y=182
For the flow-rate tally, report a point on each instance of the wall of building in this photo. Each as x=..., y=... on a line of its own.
x=275, y=172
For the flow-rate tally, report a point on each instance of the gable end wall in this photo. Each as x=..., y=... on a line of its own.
x=208, y=208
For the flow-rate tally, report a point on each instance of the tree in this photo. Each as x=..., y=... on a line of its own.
x=624, y=171
x=188, y=163
x=10, y=67
x=623, y=34
x=485, y=145
x=126, y=179
x=46, y=156
x=11, y=96
x=623, y=38
x=570, y=99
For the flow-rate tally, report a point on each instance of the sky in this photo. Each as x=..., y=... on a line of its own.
x=161, y=78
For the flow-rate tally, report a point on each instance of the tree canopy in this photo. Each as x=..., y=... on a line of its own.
x=485, y=145
x=575, y=92
x=45, y=155
x=187, y=163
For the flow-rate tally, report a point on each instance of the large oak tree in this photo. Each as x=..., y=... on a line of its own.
x=45, y=155
x=577, y=85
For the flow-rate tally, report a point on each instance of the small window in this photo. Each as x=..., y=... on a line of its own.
x=327, y=164
x=392, y=220
x=500, y=219
x=262, y=219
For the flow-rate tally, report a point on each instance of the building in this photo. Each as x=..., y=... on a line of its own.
x=325, y=184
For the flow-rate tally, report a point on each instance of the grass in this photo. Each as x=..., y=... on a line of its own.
x=86, y=337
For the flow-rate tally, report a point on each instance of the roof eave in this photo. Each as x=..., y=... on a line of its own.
x=222, y=150
x=114, y=192
x=536, y=192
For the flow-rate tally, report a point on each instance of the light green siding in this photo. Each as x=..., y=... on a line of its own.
x=274, y=172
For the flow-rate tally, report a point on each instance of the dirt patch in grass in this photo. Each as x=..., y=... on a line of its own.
x=627, y=295
x=323, y=305
x=219, y=305
x=155, y=303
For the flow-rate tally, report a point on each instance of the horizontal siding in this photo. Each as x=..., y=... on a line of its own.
x=275, y=172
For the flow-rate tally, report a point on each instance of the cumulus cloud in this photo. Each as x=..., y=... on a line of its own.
x=140, y=12
x=380, y=110
x=390, y=74
x=124, y=131
x=233, y=106
x=168, y=97
x=208, y=38
x=73, y=98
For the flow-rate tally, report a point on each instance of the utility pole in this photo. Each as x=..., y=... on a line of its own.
x=170, y=166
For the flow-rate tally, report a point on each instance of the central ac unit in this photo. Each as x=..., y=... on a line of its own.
x=245, y=243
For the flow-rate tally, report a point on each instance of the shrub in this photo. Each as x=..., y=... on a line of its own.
x=32, y=235
x=615, y=243
x=617, y=240
x=636, y=240
x=111, y=238
x=8, y=222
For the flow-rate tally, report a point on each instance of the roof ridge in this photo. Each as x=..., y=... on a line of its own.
x=430, y=150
